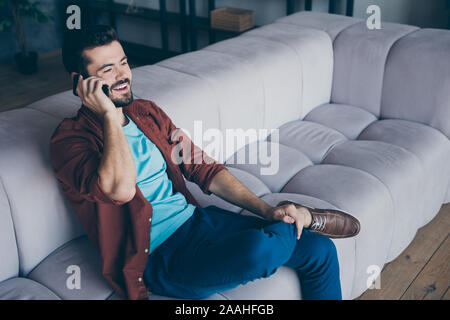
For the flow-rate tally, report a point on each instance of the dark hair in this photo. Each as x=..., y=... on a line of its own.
x=75, y=41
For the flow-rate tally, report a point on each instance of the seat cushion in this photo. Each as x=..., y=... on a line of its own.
x=272, y=163
x=25, y=289
x=430, y=146
x=152, y=296
x=281, y=285
x=348, y=120
x=400, y=171
x=363, y=196
x=54, y=271
x=310, y=138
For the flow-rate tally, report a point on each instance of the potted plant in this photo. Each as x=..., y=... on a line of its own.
x=26, y=60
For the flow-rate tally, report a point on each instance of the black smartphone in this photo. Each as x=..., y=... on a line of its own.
x=105, y=87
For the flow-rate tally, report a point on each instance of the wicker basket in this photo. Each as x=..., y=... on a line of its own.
x=232, y=19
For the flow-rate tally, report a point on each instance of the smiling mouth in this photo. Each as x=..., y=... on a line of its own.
x=122, y=88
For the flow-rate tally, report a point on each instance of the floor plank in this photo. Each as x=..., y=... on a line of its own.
x=446, y=296
x=433, y=281
x=398, y=275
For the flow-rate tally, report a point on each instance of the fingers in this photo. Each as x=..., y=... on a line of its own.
x=293, y=215
x=88, y=86
x=299, y=227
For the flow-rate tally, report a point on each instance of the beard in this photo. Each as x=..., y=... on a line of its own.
x=124, y=100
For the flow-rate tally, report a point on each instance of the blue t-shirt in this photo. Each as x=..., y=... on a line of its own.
x=170, y=210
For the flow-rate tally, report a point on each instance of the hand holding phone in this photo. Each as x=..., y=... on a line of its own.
x=98, y=103
x=76, y=78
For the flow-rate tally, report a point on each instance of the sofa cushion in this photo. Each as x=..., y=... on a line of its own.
x=152, y=296
x=345, y=247
x=184, y=97
x=283, y=284
x=57, y=271
x=400, y=171
x=315, y=54
x=430, y=146
x=271, y=61
x=348, y=120
x=416, y=81
x=332, y=24
x=9, y=266
x=312, y=139
x=219, y=71
x=37, y=204
x=363, y=196
x=272, y=163
x=359, y=58
x=250, y=181
x=25, y=289
x=60, y=105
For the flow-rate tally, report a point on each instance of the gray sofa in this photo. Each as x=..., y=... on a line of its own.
x=364, y=126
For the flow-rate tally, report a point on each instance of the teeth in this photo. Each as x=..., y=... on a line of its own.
x=121, y=87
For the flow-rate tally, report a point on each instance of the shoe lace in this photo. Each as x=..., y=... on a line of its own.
x=319, y=223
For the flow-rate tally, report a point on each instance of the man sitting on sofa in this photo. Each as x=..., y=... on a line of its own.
x=113, y=161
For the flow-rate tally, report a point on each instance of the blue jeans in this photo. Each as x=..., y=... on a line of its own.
x=217, y=250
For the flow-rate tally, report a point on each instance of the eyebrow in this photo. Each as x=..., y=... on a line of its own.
x=110, y=64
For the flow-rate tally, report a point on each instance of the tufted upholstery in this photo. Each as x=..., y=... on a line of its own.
x=362, y=126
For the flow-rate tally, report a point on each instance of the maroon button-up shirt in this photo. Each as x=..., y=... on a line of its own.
x=121, y=230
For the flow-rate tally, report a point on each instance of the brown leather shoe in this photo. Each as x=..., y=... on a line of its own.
x=329, y=222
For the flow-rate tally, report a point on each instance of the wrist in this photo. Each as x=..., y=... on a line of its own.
x=266, y=210
x=110, y=115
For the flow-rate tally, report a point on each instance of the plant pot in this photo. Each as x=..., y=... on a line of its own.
x=26, y=64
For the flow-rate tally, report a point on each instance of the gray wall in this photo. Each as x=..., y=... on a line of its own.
x=422, y=13
x=46, y=37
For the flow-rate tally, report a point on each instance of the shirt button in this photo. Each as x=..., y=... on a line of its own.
x=150, y=220
x=146, y=250
x=140, y=279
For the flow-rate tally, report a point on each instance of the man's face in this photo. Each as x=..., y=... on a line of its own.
x=110, y=63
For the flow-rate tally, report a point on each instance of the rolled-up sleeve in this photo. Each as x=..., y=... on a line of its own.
x=75, y=162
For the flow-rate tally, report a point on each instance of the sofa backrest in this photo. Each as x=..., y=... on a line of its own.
x=398, y=71
x=259, y=80
x=360, y=55
x=417, y=79
x=9, y=266
x=41, y=217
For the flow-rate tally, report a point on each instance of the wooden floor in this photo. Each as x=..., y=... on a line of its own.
x=422, y=271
